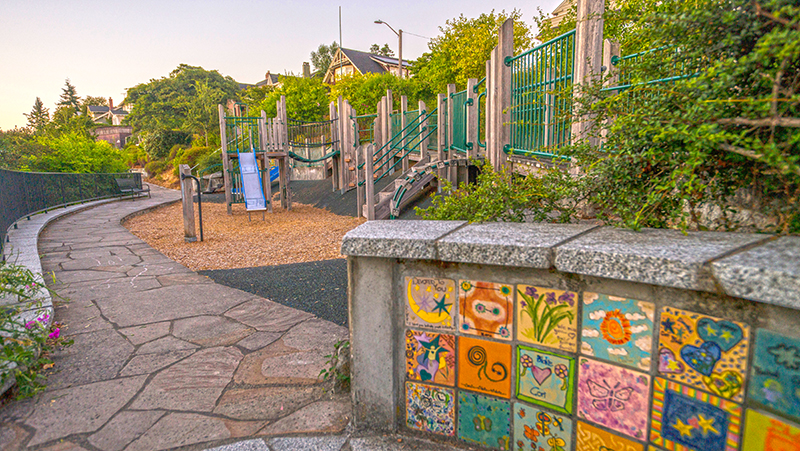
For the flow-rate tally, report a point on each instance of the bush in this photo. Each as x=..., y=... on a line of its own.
x=158, y=144
x=154, y=168
x=190, y=156
x=75, y=152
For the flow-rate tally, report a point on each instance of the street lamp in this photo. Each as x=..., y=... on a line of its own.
x=400, y=46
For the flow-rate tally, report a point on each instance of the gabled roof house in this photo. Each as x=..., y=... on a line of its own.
x=349, y=62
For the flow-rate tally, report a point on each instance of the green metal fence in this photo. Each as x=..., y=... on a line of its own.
x=242, y=134
x=365, y=127
x=459, y=122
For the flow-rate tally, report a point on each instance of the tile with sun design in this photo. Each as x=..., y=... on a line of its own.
x=486, y=309
x=547, y=317
x=484, y=420
x=684, y=418
x=617, y=329
x=764, y=432
x=590, y=438
x=430, y=302
x=431, y=357
x=536, y=429
x=614, y=397
x=484, y=366
x=430, y=409
x=775, y=373
x=545, y=378
x=703, y=351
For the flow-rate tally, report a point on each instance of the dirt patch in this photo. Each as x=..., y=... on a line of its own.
x=231, y=241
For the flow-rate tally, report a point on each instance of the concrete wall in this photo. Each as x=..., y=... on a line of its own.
x=657, y=338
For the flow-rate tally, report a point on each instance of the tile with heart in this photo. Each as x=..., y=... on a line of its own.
x=484, y=420
x=547, y=317
x=685, y=418
x=545, y=378
x=775, y=372
x=617, y=329
x=614, y=397
x=430, y=409
x=764, y=432
x=484, y=366
x=431, y=357
x=430, y=302
x=703, y=351
x=536, y=429
x=590, y=438
x=486, y=309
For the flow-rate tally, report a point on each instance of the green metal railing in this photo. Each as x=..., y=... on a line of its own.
x=541, y=97
x=242, y=133
x=364, y=125
x=459, y=122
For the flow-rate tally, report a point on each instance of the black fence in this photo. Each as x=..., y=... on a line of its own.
x=25, y=193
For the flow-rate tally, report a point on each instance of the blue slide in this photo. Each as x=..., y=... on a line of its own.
x=252, y=190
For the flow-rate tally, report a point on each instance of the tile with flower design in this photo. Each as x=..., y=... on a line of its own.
x=484, y=420
x=590, y=438
x=617, y=329
x=545, y=378
x=614, y=397
x=484, y=366
x=547, y=317
x=763, y=432
x=430, y=302
x=431, y=357
x=486, y=309
x=536, y=429
x=430, y=409
x=775, y=374
x=684, y=418
x=704, y=352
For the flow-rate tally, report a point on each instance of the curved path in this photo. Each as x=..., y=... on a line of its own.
x=164, y=358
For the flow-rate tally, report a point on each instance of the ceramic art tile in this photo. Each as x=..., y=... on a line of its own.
x=545, y=378
x=704, y=352
x=486, y=309
x=685, y=418
x=536, y=429
x=547, y=317
x=775, y=376
x=484, y=366
x=430, y=303
x=484, y=420
x=590, y=438
x=430, y=409
x=614, y=397
x=431, y=357
x=617, y=329
x=764, y=432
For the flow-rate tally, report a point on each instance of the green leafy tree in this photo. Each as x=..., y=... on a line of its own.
x=365, y=91
x=202, y=115
x=375, y=49
x=39, y=117
x=321, y=59
x=16, y=144
x=94, y=101
x=69, y=99
x=306, y=99
x=75, y=152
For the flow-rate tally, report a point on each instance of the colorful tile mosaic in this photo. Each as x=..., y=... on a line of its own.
x=617, y=329
x=704, y=352
x=764, y=432
x=431, y=357
x=547, y=317
x=486, y=309
x=590, y=438
x=430, y=409
x=484, y=420
x=484, y=366
x=545, y=378
x=684, y=419
x=535, y=429
x=430, y=302
x=613, y=396
x=775, y=376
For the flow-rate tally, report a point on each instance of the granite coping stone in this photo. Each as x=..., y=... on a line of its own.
x=770, y=272
x=397, y=238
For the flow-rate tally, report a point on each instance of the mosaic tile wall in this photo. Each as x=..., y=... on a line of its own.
x=526, y=367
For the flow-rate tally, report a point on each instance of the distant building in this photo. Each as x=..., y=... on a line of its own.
x=560, y=12
x=349, y=62
x=107, y=114
x=116, y=135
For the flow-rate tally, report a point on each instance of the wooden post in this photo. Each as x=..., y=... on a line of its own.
x=610, y=50
x=588, y=58
x=403, y=109
x=369, y=177
x=452, y=174
x=441, y=136
x=491, y=103
x=265, y=178
x=472, y=119
x=187, y=199
x=335, y=160
x=423, y=126
x=505, y=49
x=343, y=119
x=226, y=163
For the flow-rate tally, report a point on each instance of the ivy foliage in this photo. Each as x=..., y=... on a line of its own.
x=306, y=98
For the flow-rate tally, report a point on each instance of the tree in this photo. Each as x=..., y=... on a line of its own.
x=375, y=49
x=202, y=114
x=323, y=57
x=365, y=91
x=306, y=99
x=39, y=116
x=75, y=152
x=69, y=98
x=95, y=101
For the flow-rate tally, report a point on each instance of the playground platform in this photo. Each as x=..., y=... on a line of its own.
x=166, y=359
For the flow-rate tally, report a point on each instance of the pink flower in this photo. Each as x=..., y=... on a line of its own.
x=55, y=333
x=30, y=324
x=43, y=318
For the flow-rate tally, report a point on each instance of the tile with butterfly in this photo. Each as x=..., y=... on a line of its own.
x=538, y=429
x=484, y=420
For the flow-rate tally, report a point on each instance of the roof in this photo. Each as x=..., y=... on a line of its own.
x=272, y=80
x=100, y=109
x=364, y=61
x=390, y=60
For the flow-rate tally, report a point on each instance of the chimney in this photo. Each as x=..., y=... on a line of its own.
x=306, y=70
x=266, y=76
x=110, y=104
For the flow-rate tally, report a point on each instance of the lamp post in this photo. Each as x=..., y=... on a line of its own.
x=399, y=45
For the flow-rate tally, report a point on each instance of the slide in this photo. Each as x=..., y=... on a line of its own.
x=252, y=189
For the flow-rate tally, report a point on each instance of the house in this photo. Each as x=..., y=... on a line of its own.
x=350, y=62
x=560, y=12
x=107, y=114
x=116, y=135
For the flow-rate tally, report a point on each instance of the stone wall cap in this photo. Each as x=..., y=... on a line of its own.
x=397, y=238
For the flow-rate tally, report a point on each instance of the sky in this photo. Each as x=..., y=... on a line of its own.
x=105, y=47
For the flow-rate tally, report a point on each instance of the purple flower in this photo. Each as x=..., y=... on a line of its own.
x=531, y=291
x=55, y=333
x=567, y=297
x=550, y=298
x=43, y=318
x=30, y=324
x=524, y=304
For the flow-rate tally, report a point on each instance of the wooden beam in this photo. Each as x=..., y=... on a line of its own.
x=472, y=119
x=226, y=163
x=403, y=109
x=588, y=59
x=505, y=49
x=441, y=135
x=187, y=200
